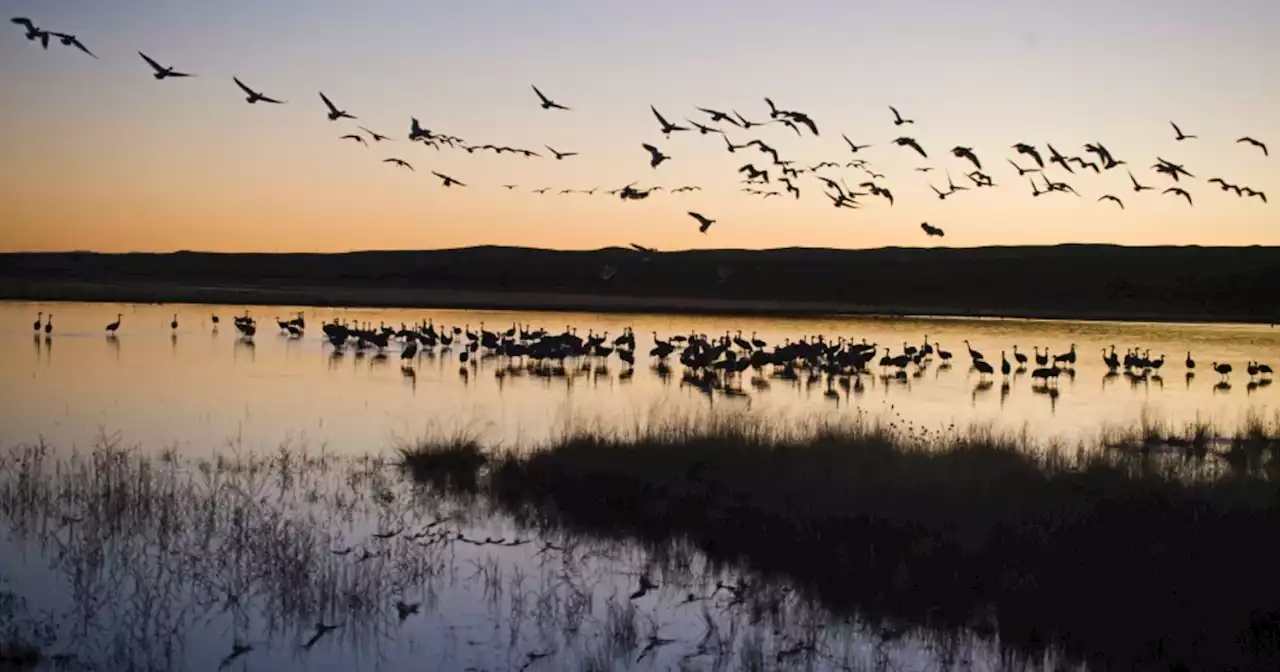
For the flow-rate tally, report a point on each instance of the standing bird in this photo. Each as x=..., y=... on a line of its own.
x=1109, y=197
x=111, y=328
x=48, y=325
x=36, y=326
x=656, y=157
x=547, y=103
x=897, y=118
x=334, y=113
x=173, y=324
x=1223, y=369
x=161, y=72
x=254, y=96
x=1004, y=365
x=703, y=222
x=1181, y=136
x=1191, y=363
x=1255, y=143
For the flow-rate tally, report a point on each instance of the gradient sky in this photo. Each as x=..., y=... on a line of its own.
x=100, y=156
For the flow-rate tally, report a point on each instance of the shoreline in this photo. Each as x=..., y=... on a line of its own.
x=353, y=296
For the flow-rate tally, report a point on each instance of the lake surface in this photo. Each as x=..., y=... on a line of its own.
x=197, y=389
x=260, y=502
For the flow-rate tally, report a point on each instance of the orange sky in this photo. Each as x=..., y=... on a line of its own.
x=100, y=156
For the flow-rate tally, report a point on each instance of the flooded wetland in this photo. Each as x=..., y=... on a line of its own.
x=192, y=497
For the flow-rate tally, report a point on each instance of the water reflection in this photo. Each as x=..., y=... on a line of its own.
x=114, y=560
x=201, y=388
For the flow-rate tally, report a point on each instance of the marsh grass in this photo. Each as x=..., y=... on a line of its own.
x=1125, y=556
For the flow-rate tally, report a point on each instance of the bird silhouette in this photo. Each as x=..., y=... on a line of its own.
x=932, y=231
x=33, y=32
x=910, y=142
x=1055, y=157
x=254, y=96
x=71, y=41
x=1255, y=143
x=853, y=147
x=897, y=118
x=667, y=127
x=1255, y=193
x=1031, y=151
x=1022, y=171
x=399, y=162
x=717, y=116
x=377, y=137
x=448, y=181
x=1181, y=136
x=1138, y=187
x=703, y=130
x=353, y=136
x=966, y=153
x=1109, y=197
x=334, y=113
x=703, y=222
x=656, y=157
x=1179, y=192
x=161, y=72
x=547, y=103
x=560, y=155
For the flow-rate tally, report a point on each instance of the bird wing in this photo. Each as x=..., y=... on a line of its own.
x=80, y=45
x=804, y=119
x=541, y=97
x=266, y=99
x=24, y=22
x=1175, y=128
x=918, y=148
x=661, y=120
x=652, y=150
x=328, y=103
x=244, y=88
x=698, y=217
x=148, y=59
x=895, y=112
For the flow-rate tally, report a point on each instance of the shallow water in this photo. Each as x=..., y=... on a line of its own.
x=195, y=388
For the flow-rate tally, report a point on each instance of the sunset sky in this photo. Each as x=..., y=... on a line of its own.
x=100, y=156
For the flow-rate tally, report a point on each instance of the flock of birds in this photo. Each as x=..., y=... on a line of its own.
x=709, y=363
x=777, y=176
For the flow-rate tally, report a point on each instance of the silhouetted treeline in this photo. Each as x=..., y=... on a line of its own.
x=1068, y=280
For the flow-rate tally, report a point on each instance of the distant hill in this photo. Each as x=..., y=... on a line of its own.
x=1198, y=283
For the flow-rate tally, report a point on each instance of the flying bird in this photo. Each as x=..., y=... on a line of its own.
x=717, y=116
x=1251, y=192
x=560, y=155
x=33, y=33
x=853, y=147
x=1255, y=143
x=334, y=113
x=1179, y=192
x=966, y=153
x=704, y=130
x=509, y=187
x=703, y=222
x=399, y=162
x=1055, y=157
x=377, y=137
x=910, y=142
x=72, y=41
x=1030, y=150
x=667, y=127
x=932, y=231
x=656, y=157
x=897, y=118
x=254, y=96
x=1109, y=197
x=448, y=181
x=743, y=121
x=547, y=103
x=1022, y=171
x=1181, y=136
x=162, y=72
x=1136, y=185
x=353, y=136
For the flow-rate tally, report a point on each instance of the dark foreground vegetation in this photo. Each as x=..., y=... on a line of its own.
x=1156, y=553
x=1069, y=281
